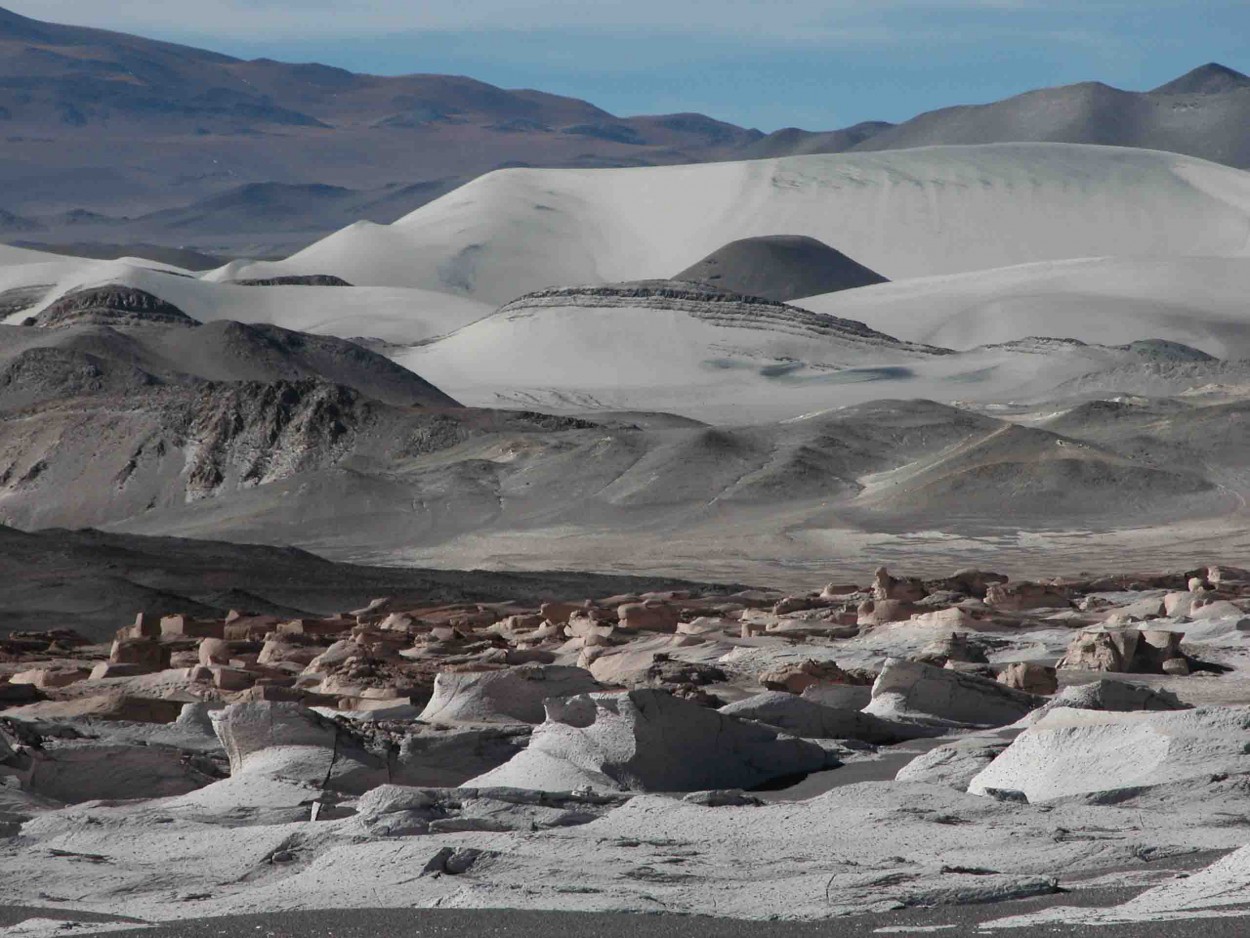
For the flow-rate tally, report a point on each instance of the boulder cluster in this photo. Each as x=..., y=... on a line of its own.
x=678, y=691
x=392, y=721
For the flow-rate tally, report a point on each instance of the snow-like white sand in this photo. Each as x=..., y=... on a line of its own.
x=1200, y=301
x=586, y=358
x=907, y=213
x=11, y=256
x=393, y=314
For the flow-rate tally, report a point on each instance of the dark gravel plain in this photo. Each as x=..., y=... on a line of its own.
x=510, y=923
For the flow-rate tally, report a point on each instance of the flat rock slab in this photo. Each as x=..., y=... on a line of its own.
x=1073, y=752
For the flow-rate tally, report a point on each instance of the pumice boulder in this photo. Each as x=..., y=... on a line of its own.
x=796, y=677
x=912, y=692
x=514, y=695
x=649, y=740
x=1072, y=752
x=1109, y=695
x=649, y=616
x=1020, y=597
x=1030, y=677
x=287, y=741
x=1131, y=651
x=902, y=589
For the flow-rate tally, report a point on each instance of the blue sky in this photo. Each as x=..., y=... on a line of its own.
x=817, y=64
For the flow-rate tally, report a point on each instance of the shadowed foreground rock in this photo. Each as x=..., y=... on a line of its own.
x=810, y=720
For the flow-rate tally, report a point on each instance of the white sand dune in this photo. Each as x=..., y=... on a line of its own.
x=393, y=314
x=574, y=354
x=64, y=272
x=11, y=256
x=910, y=213
x=1200, y=301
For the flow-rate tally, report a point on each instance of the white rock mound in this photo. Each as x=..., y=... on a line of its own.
x=1218, y=890
x=913, y=692
x=1074, y=752
x=290, y=742
x=514, y=695
x=649, y=740
x=1121, y=696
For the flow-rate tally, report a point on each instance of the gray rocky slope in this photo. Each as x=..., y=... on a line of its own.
x=119, y=414
x=353, y=462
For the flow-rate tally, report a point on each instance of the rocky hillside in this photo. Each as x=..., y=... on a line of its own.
x=110, y=306
x=118, y=339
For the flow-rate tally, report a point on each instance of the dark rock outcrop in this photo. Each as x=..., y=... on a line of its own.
x=780, y=267
x=112, y=305
x=294, y=280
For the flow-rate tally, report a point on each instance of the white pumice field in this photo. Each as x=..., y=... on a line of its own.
x=750, y=754
x=430, y=508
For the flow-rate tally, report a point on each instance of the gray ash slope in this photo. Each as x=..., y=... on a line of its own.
x=263, y=434
x=107, y=420
x=1212, y=435
x=20, y=299
x=1161, y=378
x=780, y=267
x=1212, y=78
x=105, y=251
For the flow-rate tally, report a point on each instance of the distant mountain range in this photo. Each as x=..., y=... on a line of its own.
x=116, y=139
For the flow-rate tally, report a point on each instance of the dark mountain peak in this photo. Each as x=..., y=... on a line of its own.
x=1211, y=78
x=15, y=26
x=781, y=268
